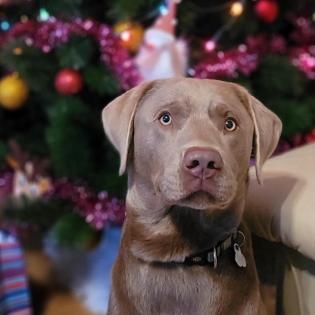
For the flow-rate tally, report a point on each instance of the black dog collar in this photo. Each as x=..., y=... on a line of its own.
x=211, y=256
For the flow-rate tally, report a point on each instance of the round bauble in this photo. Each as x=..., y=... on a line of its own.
x=130, y=34
x=310, y=137
x=68, y=81
x=267, y=10
x=13, y=92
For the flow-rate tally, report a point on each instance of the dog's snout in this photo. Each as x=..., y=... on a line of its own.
x=202, y=162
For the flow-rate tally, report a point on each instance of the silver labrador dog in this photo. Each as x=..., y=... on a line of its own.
x=186, y=144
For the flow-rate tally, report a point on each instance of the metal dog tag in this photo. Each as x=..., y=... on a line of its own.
x=239, y=257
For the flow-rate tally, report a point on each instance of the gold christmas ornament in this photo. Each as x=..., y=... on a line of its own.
x=130, y=33
x=13, y=92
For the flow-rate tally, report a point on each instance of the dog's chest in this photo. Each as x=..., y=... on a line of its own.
x=194, y=290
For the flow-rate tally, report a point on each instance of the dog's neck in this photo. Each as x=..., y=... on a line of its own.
x=173, y=233
x=202, y=229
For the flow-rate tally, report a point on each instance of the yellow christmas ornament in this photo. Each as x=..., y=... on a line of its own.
x=13, y=92
x=130, y=33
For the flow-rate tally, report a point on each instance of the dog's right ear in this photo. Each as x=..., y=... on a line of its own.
x=118, y=117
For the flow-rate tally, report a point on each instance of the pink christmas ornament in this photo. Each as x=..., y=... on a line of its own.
x=161, y=54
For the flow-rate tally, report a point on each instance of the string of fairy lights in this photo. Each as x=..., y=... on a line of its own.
x=267, y=10
x=235, y=9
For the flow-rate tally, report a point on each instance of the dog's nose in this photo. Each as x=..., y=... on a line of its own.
x=202, y=162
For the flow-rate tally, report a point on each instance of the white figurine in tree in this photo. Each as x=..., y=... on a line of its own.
x=162, y=55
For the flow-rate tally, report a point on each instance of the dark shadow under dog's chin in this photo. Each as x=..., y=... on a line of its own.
x=203, y=229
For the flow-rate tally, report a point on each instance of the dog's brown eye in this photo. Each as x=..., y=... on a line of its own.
x=230, y=124
x=165, y=119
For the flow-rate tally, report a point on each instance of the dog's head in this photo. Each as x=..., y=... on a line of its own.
x=190, y=140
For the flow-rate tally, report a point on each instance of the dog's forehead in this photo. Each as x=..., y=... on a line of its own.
x=196, y=93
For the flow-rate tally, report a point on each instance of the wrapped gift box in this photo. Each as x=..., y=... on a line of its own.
x=14, y=293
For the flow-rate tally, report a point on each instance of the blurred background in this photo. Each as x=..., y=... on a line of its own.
x=61, y=62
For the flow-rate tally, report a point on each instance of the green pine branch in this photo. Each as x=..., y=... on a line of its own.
x=77, y=53
x=32, y=64
x=100, y=80
x=67, y=137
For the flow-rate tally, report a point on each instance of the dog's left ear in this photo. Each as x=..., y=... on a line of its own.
x=267, y=128
x=118, y=117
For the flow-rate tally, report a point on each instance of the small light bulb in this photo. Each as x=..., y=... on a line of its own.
x=237, y=8
x=17, y=51
x=125, y=35
x=4, y=25
x=24, y=18
x=43, y=14
x=210, y=45
x=163, y=9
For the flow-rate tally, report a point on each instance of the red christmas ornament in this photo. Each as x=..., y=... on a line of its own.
x=310, y=137
x=68, y=81
x=267, y=10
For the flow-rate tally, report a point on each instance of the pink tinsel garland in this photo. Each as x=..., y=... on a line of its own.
x=246, y=57
x=98, y=209
x=47, y=35
x=243, y=59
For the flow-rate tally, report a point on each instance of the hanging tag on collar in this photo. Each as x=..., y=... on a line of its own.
x=239, y=257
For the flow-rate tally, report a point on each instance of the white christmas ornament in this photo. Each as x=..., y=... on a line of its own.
x=161, y=54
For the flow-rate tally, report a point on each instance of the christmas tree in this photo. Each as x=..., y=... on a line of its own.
x=63, y=61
